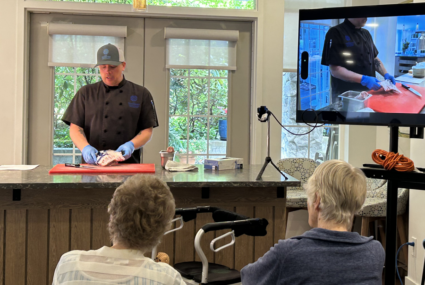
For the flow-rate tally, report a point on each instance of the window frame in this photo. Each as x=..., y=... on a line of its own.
x=208, y=116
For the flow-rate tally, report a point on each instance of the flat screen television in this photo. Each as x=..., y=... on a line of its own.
x=362, y=65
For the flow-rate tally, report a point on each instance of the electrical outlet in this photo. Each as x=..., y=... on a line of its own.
x=415, y=240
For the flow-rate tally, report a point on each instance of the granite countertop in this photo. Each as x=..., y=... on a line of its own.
x=39, y=178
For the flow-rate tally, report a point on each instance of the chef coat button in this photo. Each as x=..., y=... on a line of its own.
x=105, y=131
x=118, y=133
x=120, y=103
x=121, y=91
x=107, y=103
x=119, y=118
x=106, y=116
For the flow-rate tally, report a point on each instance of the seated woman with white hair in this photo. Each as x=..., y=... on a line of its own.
x=140, y=212
x=329, y=253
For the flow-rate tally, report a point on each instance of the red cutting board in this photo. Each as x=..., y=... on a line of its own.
x=406, y=102
x=121, y=168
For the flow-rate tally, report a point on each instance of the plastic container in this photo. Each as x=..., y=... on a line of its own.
x=349, y=104
x=166, y=156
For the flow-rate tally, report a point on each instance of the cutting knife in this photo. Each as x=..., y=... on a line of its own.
x=77, y=165
x=412, y=90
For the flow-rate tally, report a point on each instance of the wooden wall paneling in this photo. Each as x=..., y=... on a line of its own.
x=167, y=246
x=37, y=243
x=81, y=229
x=2, y=249
x=226, y=196
x=201, y=220
x=279, y=221
x=100, y=234
x=15, y=247
x=244, y=249
x=58, y=237
x=263, y=244
x=225, y=256
x=184, y=248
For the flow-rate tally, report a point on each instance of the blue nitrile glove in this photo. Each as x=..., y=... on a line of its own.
x=89, y=154
x=390, y=77
x=370, y=82
x=127, y=149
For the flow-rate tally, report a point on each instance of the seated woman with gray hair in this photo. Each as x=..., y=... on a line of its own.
x=140, y=212
x=329, y=253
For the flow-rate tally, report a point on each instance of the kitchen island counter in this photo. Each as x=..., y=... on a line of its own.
x=43, y=216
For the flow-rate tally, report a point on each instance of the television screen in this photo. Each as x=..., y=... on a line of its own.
x=362, y=65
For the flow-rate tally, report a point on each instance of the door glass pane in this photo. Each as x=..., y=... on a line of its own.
x=217, y=142
x=178, y=96
x=198, y=96
x=198, y=113
x=68, y=80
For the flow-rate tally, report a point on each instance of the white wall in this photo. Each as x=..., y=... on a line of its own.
x=271, y=57
x=8, y=59
x=416, y=217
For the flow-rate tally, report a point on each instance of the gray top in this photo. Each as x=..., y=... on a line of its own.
x=39, y=178
x=319, y=256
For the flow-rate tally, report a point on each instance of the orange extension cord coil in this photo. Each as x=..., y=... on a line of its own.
x=391, y=160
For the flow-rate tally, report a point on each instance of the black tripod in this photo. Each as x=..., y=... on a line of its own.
x=264, y=116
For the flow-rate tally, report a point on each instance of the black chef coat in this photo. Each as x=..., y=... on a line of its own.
x=344, y=43
x=112, y=115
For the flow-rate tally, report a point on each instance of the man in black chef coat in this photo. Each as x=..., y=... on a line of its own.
x=352, y=56
x=113, y=113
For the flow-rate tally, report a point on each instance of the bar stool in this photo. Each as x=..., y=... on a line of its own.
x=296, y=198
x=375, y=209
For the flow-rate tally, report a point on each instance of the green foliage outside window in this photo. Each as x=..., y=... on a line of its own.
x=224, y=4
x=66, y=83
x=196, y=99
x=194, y=113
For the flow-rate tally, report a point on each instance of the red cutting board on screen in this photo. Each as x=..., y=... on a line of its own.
x=121, y=168
x=406, y=102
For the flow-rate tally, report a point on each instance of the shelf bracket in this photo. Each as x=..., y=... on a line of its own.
x=205, y=194
x=280, y=192
x=16, y=195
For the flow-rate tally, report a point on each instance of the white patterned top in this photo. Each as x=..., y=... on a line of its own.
x=107, y=266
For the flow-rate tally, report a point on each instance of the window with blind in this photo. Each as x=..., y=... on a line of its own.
x=72, y=53
x=199, y=62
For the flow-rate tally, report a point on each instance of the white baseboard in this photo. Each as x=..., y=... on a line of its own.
x=409, y=281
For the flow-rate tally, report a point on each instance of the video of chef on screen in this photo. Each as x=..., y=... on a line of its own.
x=363, y=65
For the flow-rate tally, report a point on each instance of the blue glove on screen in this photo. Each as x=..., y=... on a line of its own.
x=390, y=77
x=127, y=149
x=89, y=154
x=370, y=82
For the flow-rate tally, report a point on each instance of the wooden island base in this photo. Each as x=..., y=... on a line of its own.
x=43, y=216
x=37, y=230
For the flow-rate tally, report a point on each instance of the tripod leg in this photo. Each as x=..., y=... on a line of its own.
x=277, y=168
x=268, y=159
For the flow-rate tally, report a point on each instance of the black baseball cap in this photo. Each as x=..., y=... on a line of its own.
x=109, y=54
